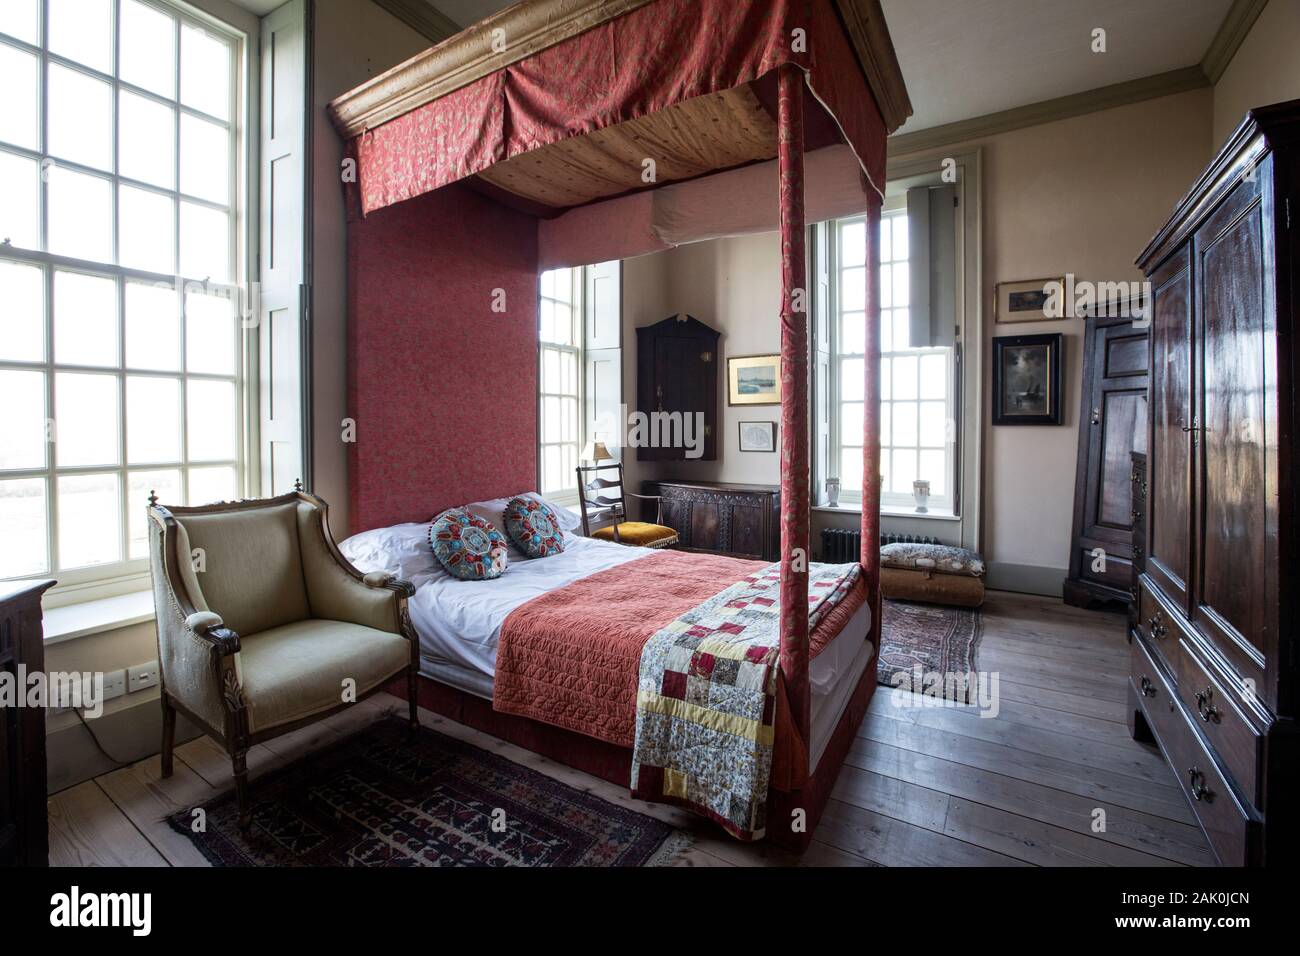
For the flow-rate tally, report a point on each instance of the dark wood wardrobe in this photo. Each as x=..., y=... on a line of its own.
x=677, y=374
x=1214, y=645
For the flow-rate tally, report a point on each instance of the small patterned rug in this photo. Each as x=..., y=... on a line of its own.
x=385, y=797
x=940, y=640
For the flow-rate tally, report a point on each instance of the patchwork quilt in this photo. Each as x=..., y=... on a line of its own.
x=706, y=698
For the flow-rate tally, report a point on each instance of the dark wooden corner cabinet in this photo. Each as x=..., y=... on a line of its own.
x=24, y=836
x=677, y=372
x=740, y=520
x=1214, y=652
x=1112, y=425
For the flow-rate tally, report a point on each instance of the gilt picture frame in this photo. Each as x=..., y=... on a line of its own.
x=1024, y=301
x=1027, y=379
x=754, y=380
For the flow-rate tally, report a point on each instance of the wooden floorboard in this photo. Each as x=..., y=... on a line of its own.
x=926, y=784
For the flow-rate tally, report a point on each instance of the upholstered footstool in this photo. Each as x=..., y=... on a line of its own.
x=932, y=574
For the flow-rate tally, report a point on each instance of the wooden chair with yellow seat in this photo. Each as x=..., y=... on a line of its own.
x=607, y=494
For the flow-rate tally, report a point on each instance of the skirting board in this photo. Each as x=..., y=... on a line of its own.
x=129, y=734
x=1025, y=578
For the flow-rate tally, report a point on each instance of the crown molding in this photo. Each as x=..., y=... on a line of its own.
x=1048, y=111
x=422, y=17
x=1232, y=33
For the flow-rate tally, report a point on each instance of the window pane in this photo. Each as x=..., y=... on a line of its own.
x=886, y=374
x=90, y=511
x=853, y=290
x=548, y=284
x=904, y=376
x=153, y=328
x=22, y=322
x=851, y=469
x=205, y=243
x=569, y=413
x=570, y=464
x=563, y=333
x=209, y=334
x=886, y=330
x=934, y=469
x=205, y=160
x=568, y=373
x=80, y=118
x=85, y=320
x=205, y=72
x=552, y=469
x=22, y=426
x=853, y=244
x=22, y=516
x=153, y=420
x=853, y=333
x=902, y=331
x=886, y=287
x=20, y=201
x=550, y=370
x=899, y=240
x=19, y=114
x=146, y=230
x=904, y=430
x=81, y=215
x=934, y=375
x=212, y=484
x=551, y=426
x=148, y=39
x=21, y=19
x=210, y=420
x=851, y=423
x=86, y=419
x=852, y=373
x=146, y=140
x=901, y=284
x=885, y=247
x=886, y=421
x=166, y=485
x=934, y=424
x=902, y=471
x=82, y=30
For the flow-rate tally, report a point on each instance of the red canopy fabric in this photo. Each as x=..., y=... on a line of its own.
x=680, y=49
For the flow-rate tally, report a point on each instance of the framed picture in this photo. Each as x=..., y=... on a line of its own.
x=754, y=380
x=1024, y=301
x=758, y=436
x=1027, y=379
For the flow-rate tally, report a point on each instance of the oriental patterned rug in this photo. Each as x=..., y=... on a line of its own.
x=932, y=644
x=385, y=797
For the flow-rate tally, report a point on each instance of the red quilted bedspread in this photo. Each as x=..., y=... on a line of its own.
x=571, y=657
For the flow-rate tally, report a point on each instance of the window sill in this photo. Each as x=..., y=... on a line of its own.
x=72, y=621
x=889, y=512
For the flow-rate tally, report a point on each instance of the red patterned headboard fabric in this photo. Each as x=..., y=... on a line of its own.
x=442, y=387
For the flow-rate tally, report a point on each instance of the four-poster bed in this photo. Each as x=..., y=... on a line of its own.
x=557, y=133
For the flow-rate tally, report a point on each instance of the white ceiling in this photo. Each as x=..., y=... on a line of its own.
x=967, y=58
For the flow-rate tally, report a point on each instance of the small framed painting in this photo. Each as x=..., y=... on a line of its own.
x=1027, y=379
x=758, y=436
x=754, y=380
x=1024, y=301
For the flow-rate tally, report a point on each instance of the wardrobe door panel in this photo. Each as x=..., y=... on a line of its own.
x=1169, y=548
x=1236, y=586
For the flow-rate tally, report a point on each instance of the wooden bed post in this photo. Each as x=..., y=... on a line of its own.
x=871, y=417
x=794, y=403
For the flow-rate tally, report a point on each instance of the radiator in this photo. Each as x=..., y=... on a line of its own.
x=842, y=545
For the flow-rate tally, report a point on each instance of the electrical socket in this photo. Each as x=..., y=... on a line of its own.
x=142, y=676
x=114, y=684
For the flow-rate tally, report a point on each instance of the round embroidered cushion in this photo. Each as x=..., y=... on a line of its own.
x=533, y=527
x=467, y=546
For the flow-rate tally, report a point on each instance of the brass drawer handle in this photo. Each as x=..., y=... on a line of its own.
x=1156, y=623
x=1205, y=706
x=1147, y=687
x=1199, y=790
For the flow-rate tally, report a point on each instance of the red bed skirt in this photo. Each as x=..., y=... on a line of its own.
x=613, y=763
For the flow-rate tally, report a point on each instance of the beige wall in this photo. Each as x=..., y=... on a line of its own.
x=1081, y=196
x=1265, y=69
x=354, y=41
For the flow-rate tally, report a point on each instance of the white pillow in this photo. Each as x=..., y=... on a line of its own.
x=402, y=550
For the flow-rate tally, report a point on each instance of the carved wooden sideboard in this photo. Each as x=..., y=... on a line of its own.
x=740, y=520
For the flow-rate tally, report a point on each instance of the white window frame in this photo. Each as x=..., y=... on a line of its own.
x=900, y=502
x=130, y=574
x=567, y=495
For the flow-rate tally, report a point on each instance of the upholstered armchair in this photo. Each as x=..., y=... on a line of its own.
x=264, y=627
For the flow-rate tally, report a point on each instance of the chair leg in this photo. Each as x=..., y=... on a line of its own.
x=168, y=735
x=412, y=685
x=239, y=762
